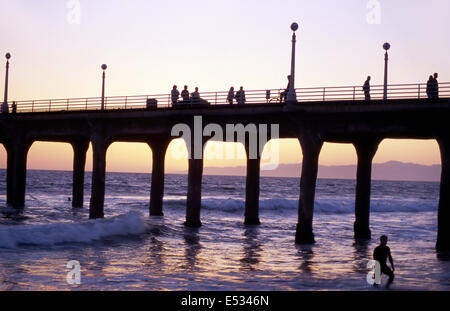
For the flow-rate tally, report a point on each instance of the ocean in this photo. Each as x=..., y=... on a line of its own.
x=129, y=250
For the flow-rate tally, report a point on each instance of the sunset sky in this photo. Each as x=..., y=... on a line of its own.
x=149, y=45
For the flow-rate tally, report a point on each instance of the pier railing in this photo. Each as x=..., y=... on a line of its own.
x=272, y=96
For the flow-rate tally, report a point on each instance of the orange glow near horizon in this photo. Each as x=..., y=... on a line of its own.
x=137, y=157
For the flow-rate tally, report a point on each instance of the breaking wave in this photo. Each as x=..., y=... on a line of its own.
x=12, y=236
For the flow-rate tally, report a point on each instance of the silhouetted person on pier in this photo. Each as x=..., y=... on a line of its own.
x=185, y=94
x=366, y=89
x=195, y=96
x=430, y=87
x=283, y=95
x=230, y=96
x=240, y=96
x=435, y=87
x=381, y=253
x=174, y=95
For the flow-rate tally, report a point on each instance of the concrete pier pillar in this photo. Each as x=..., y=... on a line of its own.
x=9, y=173
x=365, y=149
x=159, y=148
x=194, y=194
x=311, y=145
x=99, y=148
x=17, y=171
x=443, y=234
x=79, y=161
x=252, y=190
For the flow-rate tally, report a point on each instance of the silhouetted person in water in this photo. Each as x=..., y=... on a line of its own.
x=430, y=87
x=283, y=94
x=366, y=89
x=435, y=87
x=185, y=94
x=175, y=94
x=195, y=96
x=381, y=253
x=240, y=96
x=230, y=96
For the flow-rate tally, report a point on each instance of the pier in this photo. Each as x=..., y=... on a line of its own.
x=319, y=115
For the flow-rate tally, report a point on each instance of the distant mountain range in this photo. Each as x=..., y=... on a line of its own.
x=392, y=170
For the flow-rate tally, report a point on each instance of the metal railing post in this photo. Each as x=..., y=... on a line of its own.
x=67, y=105
x=323, y=94
x=126, y=99
x=419, y=92
x=354, y=93
x=50, y=106
x=32, y=106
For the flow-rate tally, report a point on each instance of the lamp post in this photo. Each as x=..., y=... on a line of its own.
x=291, y=96
x=103, y=86
x=5, y=101
x=386, y=47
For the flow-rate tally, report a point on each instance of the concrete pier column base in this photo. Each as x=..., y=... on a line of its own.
x=304, y=234
x=157, y=189
x=311, y=145
x=361, y=231
x=79, y=161
x=365, y=150
x=443, y=234
x=99, y=148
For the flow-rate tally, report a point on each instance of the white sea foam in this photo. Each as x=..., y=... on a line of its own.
x=12, y=236
x=337, y=205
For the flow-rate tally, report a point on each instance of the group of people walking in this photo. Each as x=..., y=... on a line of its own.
x=432, y=87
